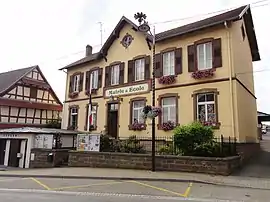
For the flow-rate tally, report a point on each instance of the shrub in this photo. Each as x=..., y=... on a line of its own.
x=132, y=145
x=194, y=139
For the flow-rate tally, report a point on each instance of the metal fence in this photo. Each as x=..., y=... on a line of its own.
x=226, y=146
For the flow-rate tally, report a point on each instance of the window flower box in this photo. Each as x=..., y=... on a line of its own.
x=137, y=126
x=168, y=126
x=167, y=80
x=73, y=95
x=209, y=123
x=94, y=91
x=151, y=112
x=203, y=74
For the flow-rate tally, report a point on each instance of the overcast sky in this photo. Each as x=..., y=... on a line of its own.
x=53, y=33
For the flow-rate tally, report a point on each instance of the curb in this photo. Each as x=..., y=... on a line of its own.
x=224, y=184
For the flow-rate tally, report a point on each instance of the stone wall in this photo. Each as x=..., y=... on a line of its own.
x=222, y=166
x=42, y=159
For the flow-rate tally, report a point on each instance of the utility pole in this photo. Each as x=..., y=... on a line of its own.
x=101, y=32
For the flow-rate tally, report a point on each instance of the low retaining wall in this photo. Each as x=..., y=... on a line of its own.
x=42, y=159
x=221, y=166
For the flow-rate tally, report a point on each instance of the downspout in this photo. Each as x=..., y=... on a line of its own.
x=230, y=78
x=63, y=123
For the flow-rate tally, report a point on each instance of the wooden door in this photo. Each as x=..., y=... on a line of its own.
x=15, y=147
x=112, y=121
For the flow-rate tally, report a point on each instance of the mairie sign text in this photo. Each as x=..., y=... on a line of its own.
x=139, y=88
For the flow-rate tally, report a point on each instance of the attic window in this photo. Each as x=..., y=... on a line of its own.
x=243, y=32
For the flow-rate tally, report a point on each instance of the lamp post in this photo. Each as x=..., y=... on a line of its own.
x=144, y=27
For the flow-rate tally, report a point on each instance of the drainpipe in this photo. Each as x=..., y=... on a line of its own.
x=230, y=78
x=64, y=105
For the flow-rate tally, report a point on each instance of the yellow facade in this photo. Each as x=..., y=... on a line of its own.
x=236, y=106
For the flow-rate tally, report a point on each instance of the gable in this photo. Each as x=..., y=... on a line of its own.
x=138, y=45
x=35, y=74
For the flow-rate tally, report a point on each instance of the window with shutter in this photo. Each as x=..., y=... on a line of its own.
x=204, y=56
x=94, y=79
x=169, y=107
x=115, y=74
x=136, y=106
x=139, y=66
x=168, y=60
x=73, y=117
x=76, y=83
x=94, y=116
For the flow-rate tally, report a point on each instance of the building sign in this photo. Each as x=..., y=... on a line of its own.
x=139, y=88
x=8, y=135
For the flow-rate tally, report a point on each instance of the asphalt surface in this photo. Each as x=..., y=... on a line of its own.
x=56, y=190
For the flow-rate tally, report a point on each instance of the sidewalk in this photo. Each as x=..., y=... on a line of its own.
x=124, y=174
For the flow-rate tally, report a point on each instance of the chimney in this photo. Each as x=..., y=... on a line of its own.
x=88, y=51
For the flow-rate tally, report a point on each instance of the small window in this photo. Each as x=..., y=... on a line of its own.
x=206, y=108
x=137, y=107
x=204, y=56
x=74, y=117
x=76, y=83
x=115, y=73
x=139, y=69
x=95, y=79
x=168, y=63
x=33, y=92
x=168, y=110
x=243, y=32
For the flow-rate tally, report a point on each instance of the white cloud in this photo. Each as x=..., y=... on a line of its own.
x=39, y=32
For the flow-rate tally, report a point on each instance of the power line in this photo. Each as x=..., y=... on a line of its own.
x=168, y=21
x=205, y=14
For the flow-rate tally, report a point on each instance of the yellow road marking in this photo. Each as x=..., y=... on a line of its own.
x=40, y=183
x=188, y=190
x=158, y=188
x=87, y=185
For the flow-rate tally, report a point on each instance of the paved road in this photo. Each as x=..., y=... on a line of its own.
x=56, y=190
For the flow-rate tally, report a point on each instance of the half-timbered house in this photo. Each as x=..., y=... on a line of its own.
x=27, y=99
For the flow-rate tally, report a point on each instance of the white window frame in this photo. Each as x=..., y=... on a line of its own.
x=139, y=109
x=73, y=112
x=94, y=115
x=139, y=66
x=171, y=109
x=169, y=66
x=95, y=79
x=205, y=59
x=115, y=75
x=205, y=103
x=76, y=83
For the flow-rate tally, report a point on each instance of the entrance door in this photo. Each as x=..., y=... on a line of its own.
x=112, y=121
x=2, y=151
x=15, y=147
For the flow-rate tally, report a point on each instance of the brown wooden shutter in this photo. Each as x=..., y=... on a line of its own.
x=87, y=80
x=178, y=61
x=69, y=114
x=147, y=67
x=107, y=76
x=100, y=72
x=191, y=58
x=217, y=55
x=71, y=84
x=158, y=66
x=86, y=117
x=122, y=73
x=131, y=71
x=81, y=81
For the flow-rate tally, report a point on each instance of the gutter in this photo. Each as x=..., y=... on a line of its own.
x=230, y=78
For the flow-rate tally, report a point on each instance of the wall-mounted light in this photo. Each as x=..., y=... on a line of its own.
x=119, y=99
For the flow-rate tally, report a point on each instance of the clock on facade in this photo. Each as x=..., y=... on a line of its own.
x=126, y=41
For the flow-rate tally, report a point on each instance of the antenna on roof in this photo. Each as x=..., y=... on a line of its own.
x=101, y=33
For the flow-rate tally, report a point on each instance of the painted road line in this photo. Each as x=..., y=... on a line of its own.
x=40, y=183
x=158, y=188
x=188, y=190
x=87, y=185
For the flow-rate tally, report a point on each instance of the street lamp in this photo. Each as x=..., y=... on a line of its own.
x=145, y=28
